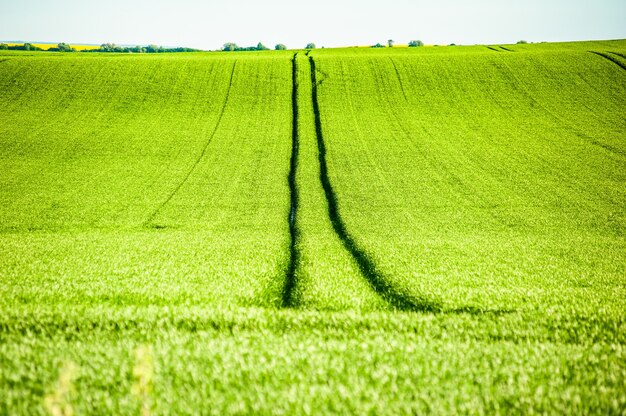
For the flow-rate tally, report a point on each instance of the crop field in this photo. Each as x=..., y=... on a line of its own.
x=339, y=231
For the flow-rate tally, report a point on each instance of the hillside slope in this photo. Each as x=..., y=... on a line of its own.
x=145, y=172
x=359, y=231
x=484, y=180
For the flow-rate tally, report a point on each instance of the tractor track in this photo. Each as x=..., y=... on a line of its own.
x=149, y=221
x=396, y=298
x=399, y=79
x=289, y=300
x=610, y=58
x=618, y=54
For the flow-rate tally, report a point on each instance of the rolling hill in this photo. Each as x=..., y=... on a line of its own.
x=387, y=231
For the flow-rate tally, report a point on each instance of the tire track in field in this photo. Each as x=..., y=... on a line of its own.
x=493, y=49
x=396, y=298
x=618, y=54
x=148, y=223
x=289, y=300
x=610, y=58
x=399, y=79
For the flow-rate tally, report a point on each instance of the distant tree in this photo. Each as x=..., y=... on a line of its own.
x=261, y=47
x=415, y=43
x=280, y=47
x=230, y=46
x=390, y=42
x=152, y=49
x=64, y=47
x=378, y=45
x=28, y=46
x=112, y=47
x=521, y=42
x=3, y=46
x=310, y=46
x=452, y=44
x=108, y=47
x=137, y=49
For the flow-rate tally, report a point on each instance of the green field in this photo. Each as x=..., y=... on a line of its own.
x=350, y=231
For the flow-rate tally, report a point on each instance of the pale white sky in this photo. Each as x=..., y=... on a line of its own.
x=209, y=24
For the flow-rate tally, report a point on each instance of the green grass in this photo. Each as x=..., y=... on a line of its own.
x=490, y=181
x=144, y=201
x=118, y=177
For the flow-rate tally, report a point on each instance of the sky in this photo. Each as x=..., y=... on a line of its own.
x=209, y=24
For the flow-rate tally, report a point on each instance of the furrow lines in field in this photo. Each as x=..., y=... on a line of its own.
x=621, y=55
x=157, y=178
x=148, y=222
x=399, y=79
x=610, y=58
x=396, y=298
x=290, y=280
x=522, y=85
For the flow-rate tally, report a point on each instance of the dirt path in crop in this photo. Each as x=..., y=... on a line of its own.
x=149, y=221
x=396, y=298
x=290, y=282
x=611, y=58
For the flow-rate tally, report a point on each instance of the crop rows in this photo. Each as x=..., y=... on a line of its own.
x=487, y=187
x=428, y=230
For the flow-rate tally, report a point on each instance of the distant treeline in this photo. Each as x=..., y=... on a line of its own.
x=112, y=47
x=105, y=47
x=24, y=47
x=391, y=42
x=233, y=47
